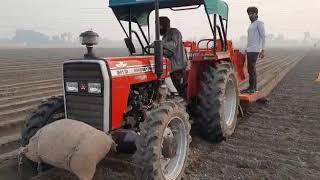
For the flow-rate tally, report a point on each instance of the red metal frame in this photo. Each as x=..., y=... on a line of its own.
x=127, y=71
x=122, y=81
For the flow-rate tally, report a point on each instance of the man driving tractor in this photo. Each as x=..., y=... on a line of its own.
x=174, y=50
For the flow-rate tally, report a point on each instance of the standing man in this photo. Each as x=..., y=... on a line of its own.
x=255, y=47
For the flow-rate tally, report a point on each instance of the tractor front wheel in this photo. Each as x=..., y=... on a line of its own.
x=46, y=113
x=217, y=105
x=163, y=148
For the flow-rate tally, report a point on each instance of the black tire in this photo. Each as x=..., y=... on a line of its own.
x=210, y=109
x=46, y=113
x=149, y=149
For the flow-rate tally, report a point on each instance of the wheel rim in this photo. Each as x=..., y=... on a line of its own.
x=172, y=167
x=230, y=102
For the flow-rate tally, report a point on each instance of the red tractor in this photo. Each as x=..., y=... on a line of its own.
x=127, y=97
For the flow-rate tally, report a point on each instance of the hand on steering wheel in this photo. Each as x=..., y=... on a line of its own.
x=147, y=48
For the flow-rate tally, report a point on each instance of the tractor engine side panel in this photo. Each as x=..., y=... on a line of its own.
x=125, y=72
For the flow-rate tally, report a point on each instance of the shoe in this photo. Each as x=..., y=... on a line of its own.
x=248, y=91
x=176, y=97
x=245, y=90
x=173, y=94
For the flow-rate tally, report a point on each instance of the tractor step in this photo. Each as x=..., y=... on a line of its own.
x=270, y=80
x=249, y=97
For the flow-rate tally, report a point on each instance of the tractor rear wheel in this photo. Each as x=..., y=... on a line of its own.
x=217, y=104
x=163, y=148
x=46, y=113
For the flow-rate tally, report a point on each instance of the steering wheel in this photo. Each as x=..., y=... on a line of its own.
x=147, y=48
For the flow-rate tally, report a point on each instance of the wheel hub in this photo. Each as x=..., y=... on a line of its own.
x=169, y=145
x=173, y=149
x=230, y=102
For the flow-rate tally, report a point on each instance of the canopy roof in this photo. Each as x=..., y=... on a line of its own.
x=140, y=9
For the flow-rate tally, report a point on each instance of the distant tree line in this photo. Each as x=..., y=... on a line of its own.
x=281, y=39
x=30, y=37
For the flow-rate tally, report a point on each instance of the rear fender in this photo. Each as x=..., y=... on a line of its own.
x=238, y=60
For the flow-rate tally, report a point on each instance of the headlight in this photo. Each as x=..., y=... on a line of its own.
x=94, y=88
x=72, y=87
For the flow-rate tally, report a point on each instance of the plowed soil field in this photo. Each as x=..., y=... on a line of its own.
x=277, y=139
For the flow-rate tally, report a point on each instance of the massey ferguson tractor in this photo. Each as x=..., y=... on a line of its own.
x=127, y=97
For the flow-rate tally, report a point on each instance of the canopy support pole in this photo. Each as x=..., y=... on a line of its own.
x=224, y=33
x=130, y=28
x=158, y=47
x=213, y=28
x=215, y=33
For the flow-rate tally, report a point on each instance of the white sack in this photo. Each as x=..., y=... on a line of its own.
x=71, y=145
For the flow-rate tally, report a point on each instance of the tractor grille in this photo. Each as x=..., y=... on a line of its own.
x=83, y=106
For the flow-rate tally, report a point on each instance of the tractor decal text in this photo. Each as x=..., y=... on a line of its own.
x=133, y=70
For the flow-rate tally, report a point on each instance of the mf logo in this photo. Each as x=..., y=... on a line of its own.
x=121, y=64
x=83, y=87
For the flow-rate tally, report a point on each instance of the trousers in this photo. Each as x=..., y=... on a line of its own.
x=252, y=61
x=178, y=81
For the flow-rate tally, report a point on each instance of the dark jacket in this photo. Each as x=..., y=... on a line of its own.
x=174, y=49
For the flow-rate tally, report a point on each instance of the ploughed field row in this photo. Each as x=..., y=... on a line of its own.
x=31, y=76
x=277, y=140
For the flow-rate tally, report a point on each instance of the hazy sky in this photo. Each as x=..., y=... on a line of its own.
x=289, y=17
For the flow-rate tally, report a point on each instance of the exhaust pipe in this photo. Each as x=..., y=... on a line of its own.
x=158, y=47
x=158, y=55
